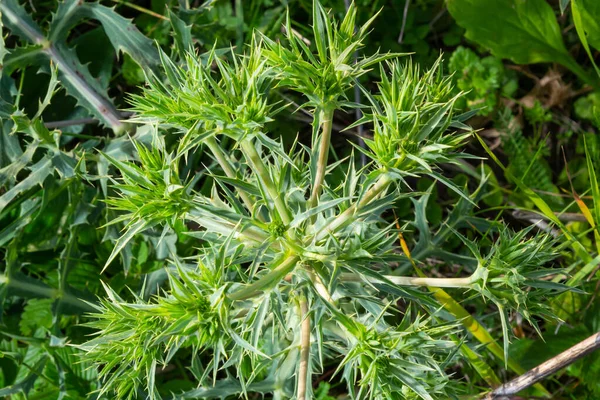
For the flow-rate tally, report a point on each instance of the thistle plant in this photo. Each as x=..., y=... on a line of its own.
x=296, y=270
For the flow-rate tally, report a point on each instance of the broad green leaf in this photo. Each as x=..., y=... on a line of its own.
x=38, y=174
x=589, y=11
x=37, y=313
x=524, y=31
x=585, y=18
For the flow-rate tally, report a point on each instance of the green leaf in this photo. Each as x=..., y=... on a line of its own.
x=10, y=171
x=589, y=11
x=73, y=75
x=130, y=232
x=19, y=22
x=3, y=51
x=37, y=313
x=80, y=84
x=124, y=35
x=585, y=18
x=524, y=31
x=26, y=384
x=183, y=34
x=38, y=174
x=320, y=29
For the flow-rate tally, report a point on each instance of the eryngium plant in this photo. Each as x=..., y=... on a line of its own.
x=296, y=271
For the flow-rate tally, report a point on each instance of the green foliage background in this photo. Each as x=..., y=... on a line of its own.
x=67, y=137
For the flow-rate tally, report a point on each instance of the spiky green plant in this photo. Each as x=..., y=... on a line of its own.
x=294, y=270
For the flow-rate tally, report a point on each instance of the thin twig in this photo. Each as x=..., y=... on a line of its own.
x=70, y=122
x=437, y=16
x=297, y=34
x=545, y=369
x=358, y=112
x=404, y=16
x=564, y=217
x=79, y=121
x=304, y=350
x=141, y=9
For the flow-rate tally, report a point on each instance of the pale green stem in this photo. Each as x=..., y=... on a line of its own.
x=319, y=285
x=225, y=164
x=475, y=328
x=226, y=228
x=324, y=141
x=304, y=349
x=346, y=217
x=267, y=281
x=26, y=288
x=257, y=165
x=415, y=281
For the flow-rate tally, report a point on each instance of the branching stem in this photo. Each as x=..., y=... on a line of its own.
x=29, y=288
x=304, y=349
x=324, y=141
x=415, y=281
x=257, y=165
x=267, y=281
x=319, y=285
x=225, y=164
x=346, y=217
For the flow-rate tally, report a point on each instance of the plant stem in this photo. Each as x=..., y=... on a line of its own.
x=346, y=217
x=226, y=228
x=223, y=161
x=415, y=281
x=477, y=330
x=324, y=141
x=319, y=286
x=590, y=79
x=28, y=288
x=257, y=165
x=267, y=281
x=304, y=349
x=101, y=105
x=547, y=368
